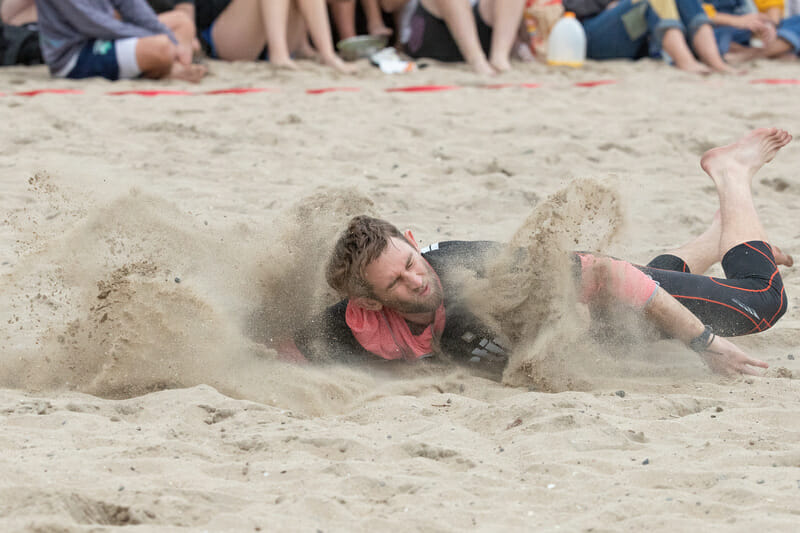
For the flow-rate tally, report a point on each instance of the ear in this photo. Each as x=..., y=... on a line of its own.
x=367, y=303
x=411, y=240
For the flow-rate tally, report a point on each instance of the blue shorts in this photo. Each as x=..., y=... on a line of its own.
x=208, y=42
x=108, y=59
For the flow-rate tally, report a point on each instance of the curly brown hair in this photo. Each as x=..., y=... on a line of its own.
x=362, y=242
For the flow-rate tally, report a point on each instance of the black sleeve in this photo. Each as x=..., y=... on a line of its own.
x=586, y=8
x=328, y=339
x=448, y=257
x=161, y=6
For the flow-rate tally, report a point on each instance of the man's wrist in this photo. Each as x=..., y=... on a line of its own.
x=701, y=343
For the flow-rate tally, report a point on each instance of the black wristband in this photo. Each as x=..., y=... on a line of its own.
x=703, y=341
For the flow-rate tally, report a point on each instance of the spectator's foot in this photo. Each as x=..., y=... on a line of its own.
x=287, y=63
x=380, y=30
x=483, y=68
x=500, y=65
x=191, y=72
x=695, y=67
x=789, y=57
x=724, y=68
x=339, y=65
x=742, y=55
x=306, y=51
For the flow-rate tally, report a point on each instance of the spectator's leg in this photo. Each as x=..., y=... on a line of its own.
x=458, y=16
x=374, y=16
x=240, y=34
x=315, y=14
x=344, y=17
x=157, y=57
x=505, y=17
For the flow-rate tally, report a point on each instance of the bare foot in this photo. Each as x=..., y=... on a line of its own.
x=306, y=51
x=724, y=68
x=780, y=257
x=337, y=63
x=743, y=55
x=745, y=156
x=192, y=72
x=500, y=64
x=483, y=68
x=788, y=57
x=380, y=30
x=287, y=63
x=694, y=67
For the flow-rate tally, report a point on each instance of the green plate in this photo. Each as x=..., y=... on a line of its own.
x=361, y=46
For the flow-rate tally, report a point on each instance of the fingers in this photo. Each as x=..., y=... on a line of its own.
x=725, y=358
x=756, y=362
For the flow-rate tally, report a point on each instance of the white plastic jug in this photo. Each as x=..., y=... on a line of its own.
x=567, y=42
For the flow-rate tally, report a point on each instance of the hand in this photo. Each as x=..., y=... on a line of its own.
x=762, y=27
x=183, y=54
x=724, y=357
x=749, y=21
x=768, y=33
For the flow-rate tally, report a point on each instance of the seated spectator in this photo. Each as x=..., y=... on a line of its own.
x=116, y=39
x=237, y=30
x=631, y=29
x=735, y=26
x=480, y=32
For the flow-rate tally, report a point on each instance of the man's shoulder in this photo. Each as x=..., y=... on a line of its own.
x=461, y=248
x=327, y=338
x=470, y=255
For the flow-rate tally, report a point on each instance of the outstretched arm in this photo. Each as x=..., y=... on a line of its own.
x=675, y=320
x=608, y=280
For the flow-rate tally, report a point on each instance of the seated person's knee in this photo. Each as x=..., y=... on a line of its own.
x=179, y=21
x=156, y=59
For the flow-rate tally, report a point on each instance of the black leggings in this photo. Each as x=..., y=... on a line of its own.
x=431, y=38
x=750, y=299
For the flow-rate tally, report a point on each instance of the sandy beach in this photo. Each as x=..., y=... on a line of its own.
x=151, y=245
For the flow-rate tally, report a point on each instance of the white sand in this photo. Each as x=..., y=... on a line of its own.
x=117, y=196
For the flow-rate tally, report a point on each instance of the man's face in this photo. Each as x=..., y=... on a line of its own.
x=402, y=280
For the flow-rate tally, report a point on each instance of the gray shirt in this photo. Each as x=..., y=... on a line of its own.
x=65, y=26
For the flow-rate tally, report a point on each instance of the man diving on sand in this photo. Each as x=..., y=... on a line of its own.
x=403, y=302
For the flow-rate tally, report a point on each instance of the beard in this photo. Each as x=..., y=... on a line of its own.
x=421, y=304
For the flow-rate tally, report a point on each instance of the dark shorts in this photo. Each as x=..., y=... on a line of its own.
x=750, y=299
x=96, y=58
x=207, y=42
x=207, y=11
x=431, y=38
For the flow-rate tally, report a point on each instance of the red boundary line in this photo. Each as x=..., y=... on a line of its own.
x=323, y=90
x=150, y=92
x=36, y=92
x=241, y=90
x=422, y=88
x=776, y=81
x=333, y=90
